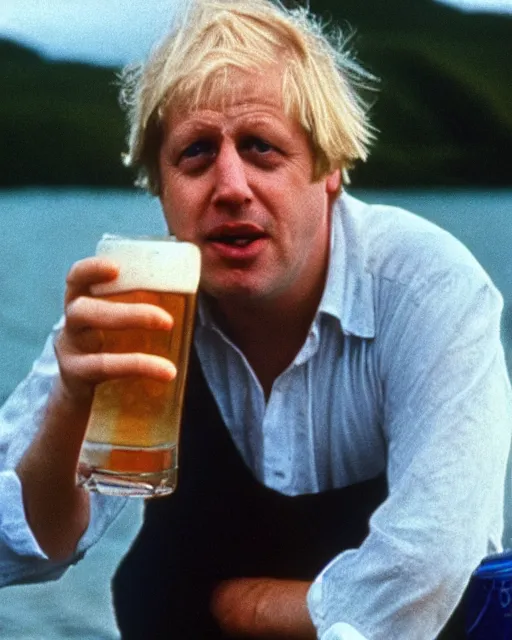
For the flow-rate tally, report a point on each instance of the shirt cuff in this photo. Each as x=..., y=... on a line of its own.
x=339, y=630
x=342, y=631
x=14, y=528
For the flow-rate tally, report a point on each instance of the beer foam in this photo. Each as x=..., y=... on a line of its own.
x=155, y=264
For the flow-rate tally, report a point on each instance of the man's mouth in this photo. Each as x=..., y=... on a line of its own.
x=234, y=241
x=236, y=234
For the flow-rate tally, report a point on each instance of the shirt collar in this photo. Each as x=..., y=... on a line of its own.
x=348, y=293
x=204, y=315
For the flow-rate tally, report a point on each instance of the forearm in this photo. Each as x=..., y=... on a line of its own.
x=263, y=608
x=56, y=509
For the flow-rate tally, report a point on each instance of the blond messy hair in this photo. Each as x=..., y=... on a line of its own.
x=211, y=40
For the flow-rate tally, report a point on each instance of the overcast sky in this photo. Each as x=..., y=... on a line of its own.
x=116, y=31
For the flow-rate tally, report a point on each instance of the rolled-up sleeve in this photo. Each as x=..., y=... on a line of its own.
x=21, y=558
x=447, y=421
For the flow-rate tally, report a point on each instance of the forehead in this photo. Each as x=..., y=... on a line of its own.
x=239, y=98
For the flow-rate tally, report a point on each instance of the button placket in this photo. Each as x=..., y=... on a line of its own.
x=276, y=438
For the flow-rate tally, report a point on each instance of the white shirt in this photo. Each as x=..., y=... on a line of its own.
x=402, y=370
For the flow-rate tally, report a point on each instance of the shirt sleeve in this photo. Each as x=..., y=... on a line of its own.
x=21, y=558
x=447, y=421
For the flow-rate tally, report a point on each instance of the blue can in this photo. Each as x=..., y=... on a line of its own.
x=489, y=599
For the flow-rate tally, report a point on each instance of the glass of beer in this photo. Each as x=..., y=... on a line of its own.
x=131, y=442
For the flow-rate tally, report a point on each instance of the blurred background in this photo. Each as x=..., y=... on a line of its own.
x=443, y=110
x=442, y=104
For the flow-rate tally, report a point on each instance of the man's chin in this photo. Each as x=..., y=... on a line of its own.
x=239, y=292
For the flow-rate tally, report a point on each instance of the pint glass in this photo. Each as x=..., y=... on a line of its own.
x=131, y=442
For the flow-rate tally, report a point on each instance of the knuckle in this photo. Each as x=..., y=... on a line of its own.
x=101, y=362
x=74, y=307
x=75, y=271
x=81, y=312
x=71, y=275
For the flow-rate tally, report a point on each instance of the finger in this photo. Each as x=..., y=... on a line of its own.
x=89, y=341
x=85, y=313
x=99, y=367
x=87, y=272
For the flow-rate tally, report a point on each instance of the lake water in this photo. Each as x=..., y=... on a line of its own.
x=42, y=234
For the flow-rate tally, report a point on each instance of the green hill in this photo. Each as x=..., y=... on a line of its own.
x=445, y=94
x=60, y=123
x=443, y=105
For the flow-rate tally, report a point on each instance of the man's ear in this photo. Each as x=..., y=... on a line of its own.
x=333, y=182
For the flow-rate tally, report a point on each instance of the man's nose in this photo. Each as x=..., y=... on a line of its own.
x=231, y=187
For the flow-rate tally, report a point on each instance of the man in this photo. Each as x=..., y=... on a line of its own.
x=339, y=341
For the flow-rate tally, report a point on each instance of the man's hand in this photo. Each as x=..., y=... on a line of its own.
x=56, y=509
x=78, y=347
x=263, y=608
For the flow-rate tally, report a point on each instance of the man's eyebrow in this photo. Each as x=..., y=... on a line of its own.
x=265, y=125
x=194, y=126
x=191, y=129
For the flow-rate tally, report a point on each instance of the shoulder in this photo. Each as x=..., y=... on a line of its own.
x=398, y=246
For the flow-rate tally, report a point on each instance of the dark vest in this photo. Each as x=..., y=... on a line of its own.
x=222, y=523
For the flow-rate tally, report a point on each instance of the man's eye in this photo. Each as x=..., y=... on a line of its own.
x=257, y=144
x=198, y=148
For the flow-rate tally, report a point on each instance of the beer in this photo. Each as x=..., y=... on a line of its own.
x=130, y=446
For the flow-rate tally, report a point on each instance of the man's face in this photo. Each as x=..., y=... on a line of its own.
x=237, y=182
